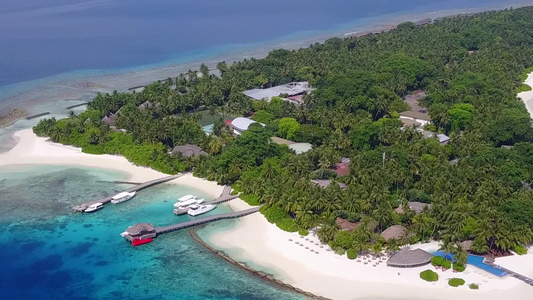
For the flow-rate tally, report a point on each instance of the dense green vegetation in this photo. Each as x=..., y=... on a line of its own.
x=441, y=262
x=473, y=286
x=470, y=67
x=455, y=282
x=429, y=275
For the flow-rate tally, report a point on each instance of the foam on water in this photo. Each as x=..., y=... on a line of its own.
x=49, y=252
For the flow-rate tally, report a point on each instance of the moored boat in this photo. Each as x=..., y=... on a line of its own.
x=195, y=209
x=121, y=197
x=188, y=202
x=94, y=207
x=180, y=210
x=138, y=241
x=187, y=197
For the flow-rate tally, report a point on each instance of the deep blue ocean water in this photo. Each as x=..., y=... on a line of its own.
x=45, y=38
x=49, y=252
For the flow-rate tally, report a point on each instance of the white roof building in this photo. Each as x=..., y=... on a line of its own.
x=291, y=89
x=241, y=124
x=300, y=148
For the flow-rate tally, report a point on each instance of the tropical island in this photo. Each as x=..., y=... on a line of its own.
x=363, y=145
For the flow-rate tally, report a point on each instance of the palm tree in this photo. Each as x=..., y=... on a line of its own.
x=460, y=255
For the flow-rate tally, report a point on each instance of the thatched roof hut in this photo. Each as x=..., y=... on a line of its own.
x=141, y=229
x=110, y=120
x=394, y=232
x=188, y=150
x=410, y=258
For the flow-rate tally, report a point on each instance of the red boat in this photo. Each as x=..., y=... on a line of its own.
x=137, y=241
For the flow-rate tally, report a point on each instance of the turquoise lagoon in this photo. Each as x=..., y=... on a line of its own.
x=49, y=252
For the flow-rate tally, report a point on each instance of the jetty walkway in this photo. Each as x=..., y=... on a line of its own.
x=139, y=187
x=192, y=223
x=225, y=196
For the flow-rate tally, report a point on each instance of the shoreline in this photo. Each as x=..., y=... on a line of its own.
x=527, y=97
x=33, y=150
x=83, y=85
x=264, y=248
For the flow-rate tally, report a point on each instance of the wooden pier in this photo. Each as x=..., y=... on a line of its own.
x=83, y=206
x=147, y=230
x=225, y=196
x=192, y=223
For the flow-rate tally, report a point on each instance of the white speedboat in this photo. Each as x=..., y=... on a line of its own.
x=187, y=197
x=94, y=207
x=121, y=197
x=195, y=209
x=188, y=202
x=183, y=209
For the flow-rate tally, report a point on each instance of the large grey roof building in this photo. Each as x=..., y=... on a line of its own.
x=410, y=258
x=188, y=150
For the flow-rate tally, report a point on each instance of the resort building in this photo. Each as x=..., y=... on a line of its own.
x=290, y=90
x=299, y=148
x=442, y=138
x=342, y=168
x=145, y=105
x=142, y=231
x=413, y=101
x=410, y=259
x=188, y=150
x=420, y=117
x=110, y=120
x=241, y=124
x=417, y=207
x=281, y=141
x=394, y=232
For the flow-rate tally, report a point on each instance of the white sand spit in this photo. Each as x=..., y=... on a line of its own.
x=527, y=97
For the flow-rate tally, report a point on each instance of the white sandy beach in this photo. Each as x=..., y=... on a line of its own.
x=268, y=248
x=527, y=97
x=33, y=150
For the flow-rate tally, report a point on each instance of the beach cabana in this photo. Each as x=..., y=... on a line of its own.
x=410, y=259
x=394, y=232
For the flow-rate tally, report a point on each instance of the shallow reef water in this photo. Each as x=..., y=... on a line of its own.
x=49, y=252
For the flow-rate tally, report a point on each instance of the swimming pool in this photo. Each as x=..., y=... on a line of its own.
x=476, y=261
